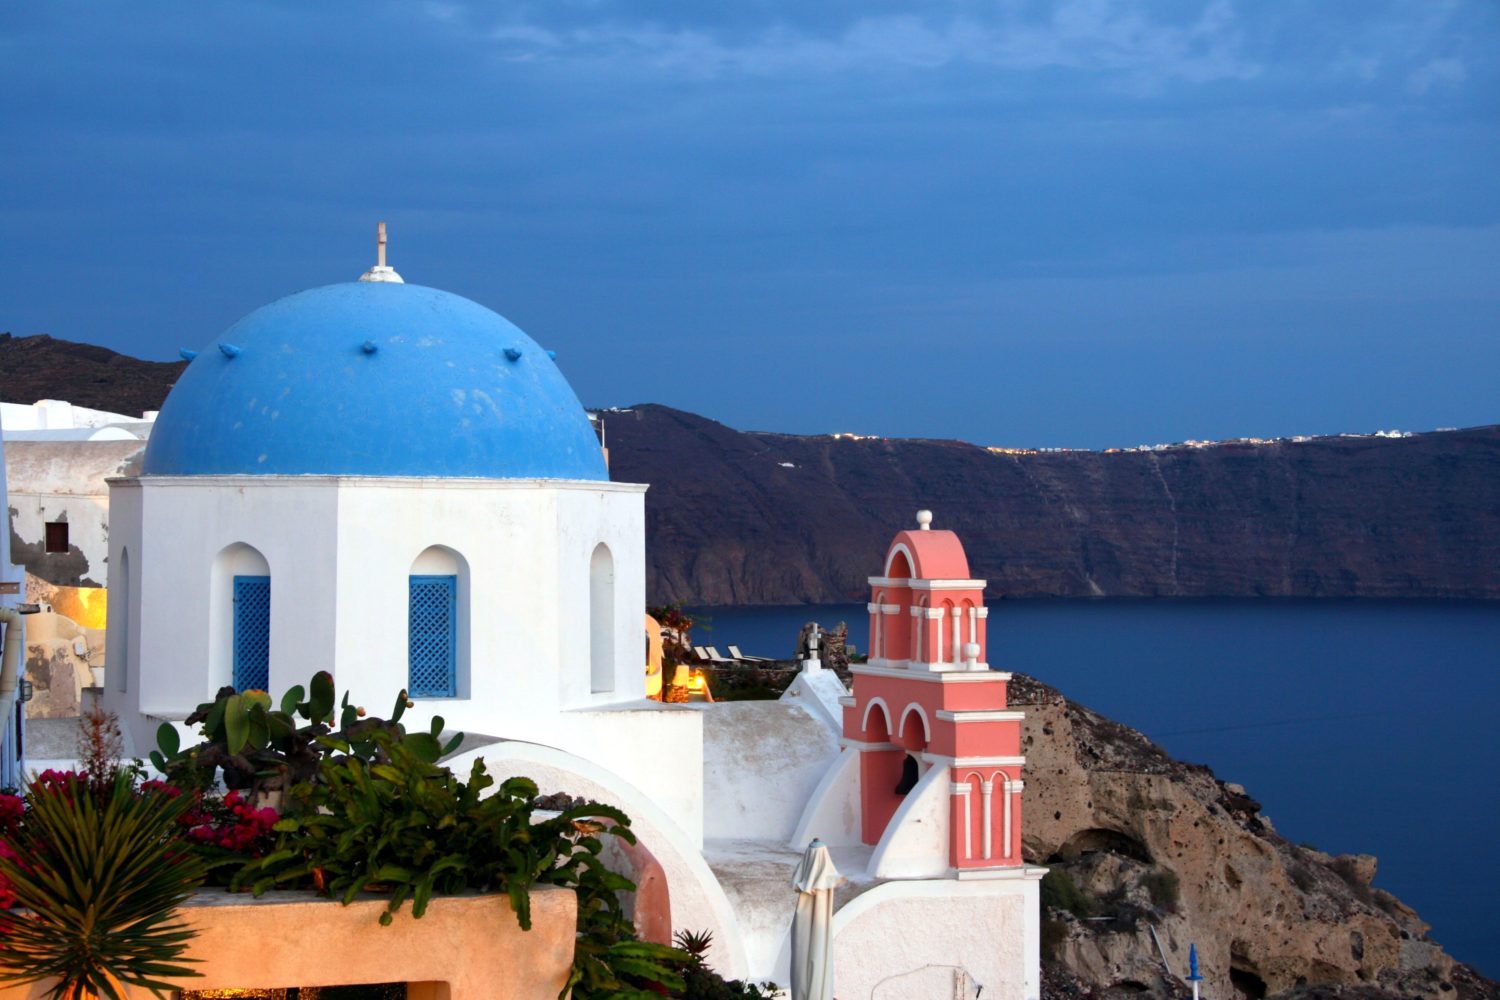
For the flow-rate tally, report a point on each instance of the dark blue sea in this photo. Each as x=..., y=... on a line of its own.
x=1363, y=727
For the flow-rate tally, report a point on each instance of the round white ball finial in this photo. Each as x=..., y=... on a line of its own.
x=971, y=651
x=924, y=520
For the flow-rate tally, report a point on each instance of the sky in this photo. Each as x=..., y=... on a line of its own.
x=1083, y=223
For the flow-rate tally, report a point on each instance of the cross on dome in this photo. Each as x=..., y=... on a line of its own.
x=380, y=272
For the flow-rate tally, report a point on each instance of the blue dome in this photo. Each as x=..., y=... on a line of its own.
x=374, y=379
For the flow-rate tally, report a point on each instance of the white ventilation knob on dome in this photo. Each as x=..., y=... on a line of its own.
x=924, y=520
x=380, y=272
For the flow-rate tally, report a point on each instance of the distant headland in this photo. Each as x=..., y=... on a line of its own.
x=755, y=518
x=738, y=517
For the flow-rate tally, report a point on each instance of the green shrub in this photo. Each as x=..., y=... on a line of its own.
x=260, y=749
x=1163, y=888
x=703, y=983
x=1054, y=933
x=99, y=872
x=700, y=982
x=1060, y=892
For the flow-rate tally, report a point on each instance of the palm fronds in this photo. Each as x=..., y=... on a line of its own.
x=98, y=877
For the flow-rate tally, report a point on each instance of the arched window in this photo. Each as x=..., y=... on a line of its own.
x=602, y=620
x=240, y=619
x=949, y=638
x=436, y=594
x=119, y=595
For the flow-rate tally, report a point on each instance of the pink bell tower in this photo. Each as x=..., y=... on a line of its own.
x=928, y=699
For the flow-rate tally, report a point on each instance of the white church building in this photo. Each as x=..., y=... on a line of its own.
x=396, y=484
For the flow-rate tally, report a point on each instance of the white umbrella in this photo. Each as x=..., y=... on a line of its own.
x=812, y=927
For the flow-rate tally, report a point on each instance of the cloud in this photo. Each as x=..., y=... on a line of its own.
x=1078, y=35
x=1438, y=72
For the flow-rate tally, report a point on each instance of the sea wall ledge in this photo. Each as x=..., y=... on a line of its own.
x=468, y=947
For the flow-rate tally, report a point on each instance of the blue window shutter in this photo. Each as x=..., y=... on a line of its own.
x=432, y=637
x=252, y=632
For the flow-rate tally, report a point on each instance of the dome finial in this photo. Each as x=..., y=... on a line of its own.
x=380, y=272
x=924, y=520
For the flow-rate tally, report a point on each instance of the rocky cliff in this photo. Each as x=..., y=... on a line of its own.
x=1144, y=848
x=42, y=367
x=754, y=518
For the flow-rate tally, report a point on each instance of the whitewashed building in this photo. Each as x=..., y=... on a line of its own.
x=396, y=484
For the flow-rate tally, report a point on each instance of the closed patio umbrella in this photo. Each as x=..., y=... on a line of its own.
x=812, y=927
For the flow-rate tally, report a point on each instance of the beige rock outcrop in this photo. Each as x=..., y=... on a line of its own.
x=1171, y=854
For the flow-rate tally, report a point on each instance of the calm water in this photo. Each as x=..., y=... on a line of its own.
x=1362, y=726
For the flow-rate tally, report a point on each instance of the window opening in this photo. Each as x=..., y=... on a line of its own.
x=602, y=620
x=432, y=637
x=909, y=775
x=252, y=633
x=57, y=536
x=121, y=670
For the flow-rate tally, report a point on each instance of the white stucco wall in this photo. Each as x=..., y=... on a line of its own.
x=698, y=902
x=832, y=811
x=64, y=481
x=761, y=762
x=58, y=414
x=819, y=692
x=88, y=531
x=339, y=551
x=916, y=841
x=916, y=940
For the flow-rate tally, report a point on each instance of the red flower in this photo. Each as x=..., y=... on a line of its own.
x=170, y=791
x=6, y=899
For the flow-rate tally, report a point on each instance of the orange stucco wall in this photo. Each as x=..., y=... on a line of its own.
x=463, y=947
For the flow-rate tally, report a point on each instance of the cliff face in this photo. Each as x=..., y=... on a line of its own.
x=755, y=518
x=735, y=517
x=1152, y=843
x=41, y=367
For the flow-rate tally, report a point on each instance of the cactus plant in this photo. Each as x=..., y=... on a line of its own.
x=262, y=749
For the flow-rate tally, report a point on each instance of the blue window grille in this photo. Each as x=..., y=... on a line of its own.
x=252, y=632
x=432, y=637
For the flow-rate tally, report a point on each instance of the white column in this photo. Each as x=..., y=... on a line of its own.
x=916, y=634
x=986, y=788
x=973, y=625
x=875, y=651
x=962, y=789
x=958, y=642
x=1006, y=827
